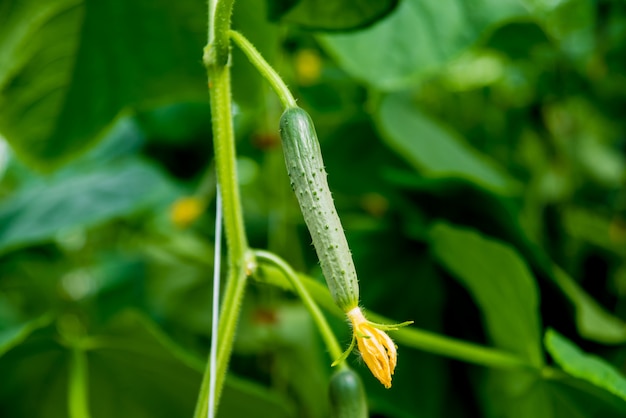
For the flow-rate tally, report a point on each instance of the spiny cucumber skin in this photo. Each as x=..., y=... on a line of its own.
x=305, y=167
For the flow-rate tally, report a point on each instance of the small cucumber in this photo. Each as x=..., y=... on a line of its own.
x=347, y=396
x=308, y=181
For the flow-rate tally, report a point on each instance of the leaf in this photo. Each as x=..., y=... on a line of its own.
x=433, y=150
x=41, y=211
x=416, y=39
x=130, y=368
x=248, y=86
x=244, y=398
x=592, y=320
x=338, y=15
x=518, y=39
x=500, y=283
x=277, y=8
x=500, y=218
x=584, y=366
x=530, y=394
x=14, y=335
x=572, y=397
x=69, y=67
x=301, y=361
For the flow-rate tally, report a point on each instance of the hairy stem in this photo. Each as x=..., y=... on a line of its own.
x=218, y=49
x=228, y=323
x=216, y=57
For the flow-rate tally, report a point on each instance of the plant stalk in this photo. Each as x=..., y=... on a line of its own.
x=266, y=70
x=78, y=396
x=328, y=336
x=216, y=59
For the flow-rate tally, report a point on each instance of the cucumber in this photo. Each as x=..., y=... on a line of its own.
x=347, y=396
x=305, y=167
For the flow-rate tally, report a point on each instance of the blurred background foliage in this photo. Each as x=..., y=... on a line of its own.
x=476, y=151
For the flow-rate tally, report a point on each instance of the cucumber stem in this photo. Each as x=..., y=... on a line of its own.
x=318, y=317
x=266, y=70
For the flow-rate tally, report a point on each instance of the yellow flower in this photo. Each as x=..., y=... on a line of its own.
x=377, y=349
x=186, y=210
x=308, y=65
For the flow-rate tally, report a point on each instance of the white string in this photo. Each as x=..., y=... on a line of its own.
x=216, y=300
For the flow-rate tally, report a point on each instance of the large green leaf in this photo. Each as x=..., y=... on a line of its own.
x=499, y=281
x=301, y=361
x=14, y=335
x=243, y=398
x=416, y=39
x=585, y=366
x=68, y=67
x=129, y=369
x=501, y=218
x=337, y=15
x=529, y=394
x=41, y=211
x=433, y=149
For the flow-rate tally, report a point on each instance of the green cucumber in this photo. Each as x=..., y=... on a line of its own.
x=305, y=166
x=347, y=396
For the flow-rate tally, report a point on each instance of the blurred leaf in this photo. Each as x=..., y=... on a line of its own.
x=592, y=320
x=526, y=394
x=299, y=359
x=41, y=211
x=572, y=396
x=500, y=283
x=519, y=40
x=338, y=15
x=500, y=218
x=416, y=39
x=249, y=88
x=66, y=74
x=515, y=394
x=373, y=243
x=131, y=369
x=584, y=366
x=594, y=228
x=571, y=23
x=35, y=369
x=14, y=335
x=243, y=398
x=277, y=8
x=434, y=150
x=176, y=122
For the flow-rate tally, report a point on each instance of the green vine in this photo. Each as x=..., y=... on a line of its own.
x=327, y=334
x=216, y=57
x=265, y=69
